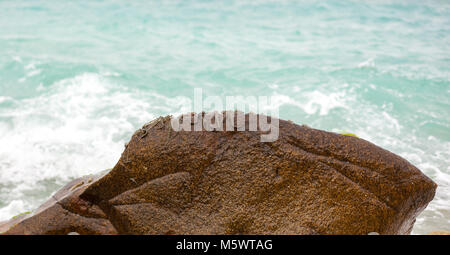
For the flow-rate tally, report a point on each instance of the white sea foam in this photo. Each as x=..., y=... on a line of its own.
x=367, y=64
x=313, y=102
x=4, y=99
x=12, y=209
x=79, y=126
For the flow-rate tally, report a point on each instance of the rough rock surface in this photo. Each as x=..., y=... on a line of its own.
x=307, y=182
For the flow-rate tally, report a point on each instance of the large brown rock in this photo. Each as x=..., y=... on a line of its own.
x=306, y=182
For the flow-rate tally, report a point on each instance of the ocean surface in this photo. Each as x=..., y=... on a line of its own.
x=77, y=78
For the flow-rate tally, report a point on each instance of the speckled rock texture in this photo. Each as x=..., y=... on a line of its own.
x=307, y=182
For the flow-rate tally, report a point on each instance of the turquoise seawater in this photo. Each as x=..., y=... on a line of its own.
x=78, y=77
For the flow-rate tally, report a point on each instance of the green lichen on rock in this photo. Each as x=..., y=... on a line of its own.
x=20, y=214
x=349, y=134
